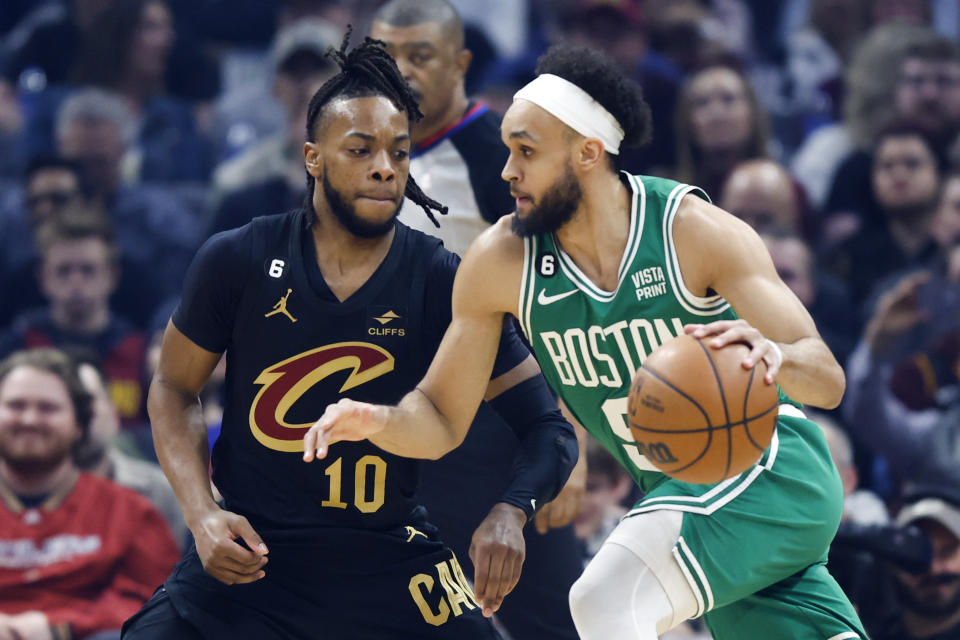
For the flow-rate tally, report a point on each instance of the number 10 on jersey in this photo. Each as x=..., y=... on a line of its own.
x=365, y=467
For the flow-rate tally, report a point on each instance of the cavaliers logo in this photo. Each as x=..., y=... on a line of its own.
x=285, y=382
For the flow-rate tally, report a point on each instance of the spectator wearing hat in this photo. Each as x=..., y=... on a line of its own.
x=928, y=604
x=269, y=175
x=80, y=553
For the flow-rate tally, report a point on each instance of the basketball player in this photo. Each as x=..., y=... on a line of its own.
x=331, y=300
x=600, y=268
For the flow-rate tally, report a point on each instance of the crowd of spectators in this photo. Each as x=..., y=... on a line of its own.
x=132, y=130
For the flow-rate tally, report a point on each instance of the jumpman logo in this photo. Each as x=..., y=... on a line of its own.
x=281, y=307
x=413, y=532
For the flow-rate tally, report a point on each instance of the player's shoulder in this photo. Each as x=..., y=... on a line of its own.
x=276, y=226
x=420, y=246
x=492, y=269
x=234, y=247
x=498, y=243
x=709, y=242
x=416, y=240
x=699, y=217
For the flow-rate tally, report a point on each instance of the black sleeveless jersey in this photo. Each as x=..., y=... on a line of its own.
x=293, y=348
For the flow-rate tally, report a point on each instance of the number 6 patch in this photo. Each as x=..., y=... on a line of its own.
x=547, y=265
x=275, y=268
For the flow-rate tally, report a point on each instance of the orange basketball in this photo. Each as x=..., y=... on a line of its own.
x=697, y=414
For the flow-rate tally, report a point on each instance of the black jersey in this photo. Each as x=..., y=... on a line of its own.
x=293, y=348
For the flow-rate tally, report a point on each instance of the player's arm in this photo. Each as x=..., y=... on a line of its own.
x=194, y=339
x=180, y=439
x=548, y=451
x=179, y=430
x=548, y=444
x=566, y=506
x=434, y=418
x=721, y=253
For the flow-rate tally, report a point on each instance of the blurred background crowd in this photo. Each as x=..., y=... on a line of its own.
x=132, y=130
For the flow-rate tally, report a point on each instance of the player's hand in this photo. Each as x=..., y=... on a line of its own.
x=726, y=332
x=345, y=420
x=566, y=506
x=497, y=551
x=217, y=534
x=896, y=313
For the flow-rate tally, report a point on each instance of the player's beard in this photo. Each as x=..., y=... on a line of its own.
x=346, y=214
x=557, y=206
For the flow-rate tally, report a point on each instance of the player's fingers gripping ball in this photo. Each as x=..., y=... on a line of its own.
x=697, y=414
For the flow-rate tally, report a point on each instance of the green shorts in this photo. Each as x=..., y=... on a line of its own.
x=754, y=547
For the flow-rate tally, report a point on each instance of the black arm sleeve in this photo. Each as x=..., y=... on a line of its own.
x=212, y=289
x=548, y=444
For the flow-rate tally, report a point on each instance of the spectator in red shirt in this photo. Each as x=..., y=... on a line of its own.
x=78, y=553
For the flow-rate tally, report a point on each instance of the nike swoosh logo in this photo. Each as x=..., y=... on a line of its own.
x=544, y=299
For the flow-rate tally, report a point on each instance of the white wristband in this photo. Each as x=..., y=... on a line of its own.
x=778, y=351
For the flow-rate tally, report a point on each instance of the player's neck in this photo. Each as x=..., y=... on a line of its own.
x=24, y=483
x=345, y=260
x=596, y=236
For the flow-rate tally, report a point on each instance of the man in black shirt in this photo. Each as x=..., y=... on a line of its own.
x=334, y=300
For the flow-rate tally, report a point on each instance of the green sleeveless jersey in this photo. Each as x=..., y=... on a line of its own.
x=590, y=342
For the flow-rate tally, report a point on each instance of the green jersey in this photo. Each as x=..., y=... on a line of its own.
x=590, y=342
x=772, y=523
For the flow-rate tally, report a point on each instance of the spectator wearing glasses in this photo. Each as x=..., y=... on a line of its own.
x=50, y=185
x=53, y=186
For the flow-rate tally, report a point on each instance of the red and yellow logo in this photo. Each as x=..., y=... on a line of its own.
x=285, y=382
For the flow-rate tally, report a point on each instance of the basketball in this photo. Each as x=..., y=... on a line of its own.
x=697, y=414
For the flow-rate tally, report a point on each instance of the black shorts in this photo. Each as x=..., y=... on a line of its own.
x=481, y=468
x=333, y=584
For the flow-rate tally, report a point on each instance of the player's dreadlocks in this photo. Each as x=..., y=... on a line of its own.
x=368, y=70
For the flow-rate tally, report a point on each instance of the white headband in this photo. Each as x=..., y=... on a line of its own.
x=575, y=108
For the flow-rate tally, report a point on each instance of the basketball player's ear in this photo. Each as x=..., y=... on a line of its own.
x=312, y=159
x=464, y=58
x=590, y=153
